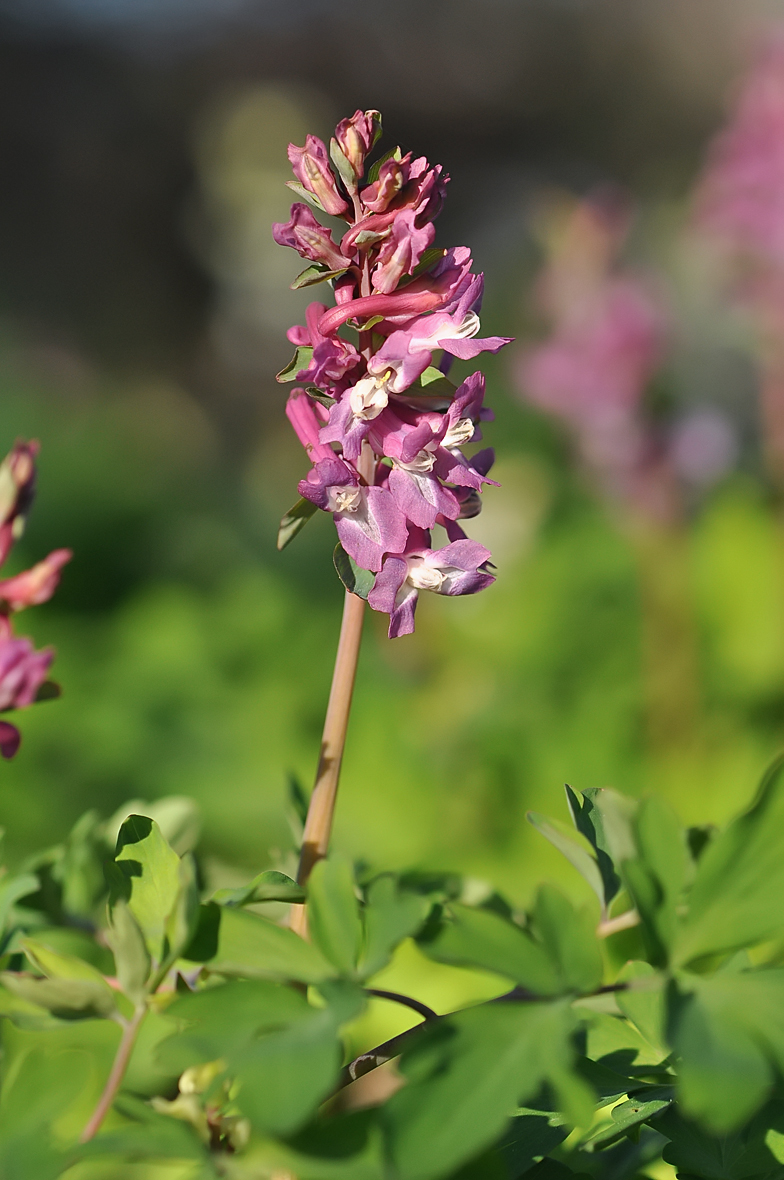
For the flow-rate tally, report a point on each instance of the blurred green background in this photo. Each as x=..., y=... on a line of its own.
x=143, y=308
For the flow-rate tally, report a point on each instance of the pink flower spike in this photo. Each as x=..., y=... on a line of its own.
x=305, y=416
x=312, y=170
x=37, y=584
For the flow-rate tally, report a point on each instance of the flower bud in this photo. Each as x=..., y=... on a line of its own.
x=312, y=170
x=310, y=239
x=356, y=137
x=37, y=584
x=17, y=490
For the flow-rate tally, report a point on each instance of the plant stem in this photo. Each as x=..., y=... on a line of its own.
x=114, y=1081
x=318, y=824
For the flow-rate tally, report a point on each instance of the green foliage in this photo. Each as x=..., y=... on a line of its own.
x=237, y=1028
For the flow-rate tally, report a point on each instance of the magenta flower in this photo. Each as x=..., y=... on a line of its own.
x=310, y=239
x=401, y=251
x=367, y=520
x=312, y=170
x=387, y=455
x=458, y=568
x=37, y=584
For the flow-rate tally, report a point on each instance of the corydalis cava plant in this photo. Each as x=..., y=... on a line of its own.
x=382, y=425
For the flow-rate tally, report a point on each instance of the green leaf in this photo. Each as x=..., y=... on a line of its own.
x=574, y=848
x=728, y=1031
x=737, y=898
x=157, y=1138
x=252, y=946
x=643, y=1004
x=301, y=359
x=342, y=165
x=354, y=578
x=56, y=965
x=267, y=886
x=656, y=876
x=627, y=1117
x=70, y=999
x=375, y=168
x=479, y=938
x=391, y=914
x=374, y=319
x=305, y=195
x=284, y=1076
x=467, y=1074
x=569, y=937
x=529, y=1135
x=748, y=1152
x=620, y=1047
x=333, y=913
x=315, y=273
x=49, y=690
x=132, y=962
x=429, y=257
x=604, y=818
x=36, y=1097
x=294, y=521
x=12, y=890
x=177, y=816
x=219, y=1021
x=148, y=878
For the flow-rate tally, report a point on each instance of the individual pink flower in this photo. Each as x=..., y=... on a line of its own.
x=401, y=251
x=458, y=568
x=367, y=520
x=310, y=239
x=312, y=170
x=332, y=356
x=22, y=672
x=37, y=584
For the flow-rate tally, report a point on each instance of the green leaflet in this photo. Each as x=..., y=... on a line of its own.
x=728, y=1033
x=737, y=898
x=354, y=578
x=333, y=914
x=576, y=850
x=301, y=359
x=147, y=877
x=391, y=914
x=752, y=1151
x=267, y=886
x=558, y=952
x=315, y=273
x=604, y=818
x=294, y=521
x=252, y=946
x=130, y=951
x=656, y=875
x=41, y=1092
x=469, y=1074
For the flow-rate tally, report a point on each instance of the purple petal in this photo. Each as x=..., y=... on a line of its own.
x=385, y=590
x=376, y=527
x=466, y=350
x=421, y=497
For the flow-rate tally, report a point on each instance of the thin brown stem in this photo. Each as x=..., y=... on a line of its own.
x=114, y=1080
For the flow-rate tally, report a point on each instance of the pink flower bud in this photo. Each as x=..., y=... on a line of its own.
x=35, y=585
x=310, y=239
x=312, y=170
x=391, y=178
x=17, y=490
x=356, y=137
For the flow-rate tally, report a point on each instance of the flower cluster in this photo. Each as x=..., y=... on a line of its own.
x=23, y=670
x=382, y=424
x=608, y=338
